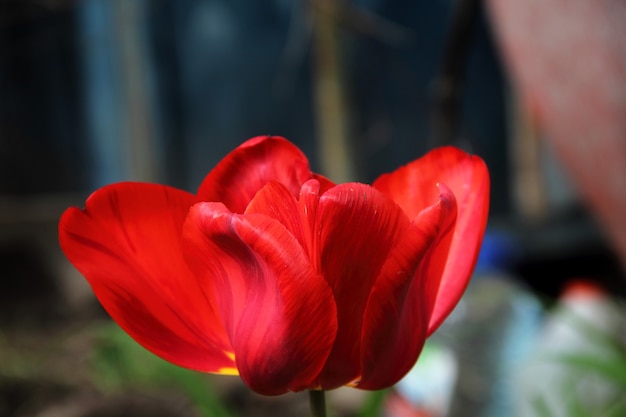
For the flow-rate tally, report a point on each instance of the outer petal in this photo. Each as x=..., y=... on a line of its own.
x=244, y=171
x=127, y=244
x=396, y=318
x=357, y=227
x=278, y=310
x=412, y=187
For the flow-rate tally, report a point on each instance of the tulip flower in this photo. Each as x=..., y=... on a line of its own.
x=278, y=275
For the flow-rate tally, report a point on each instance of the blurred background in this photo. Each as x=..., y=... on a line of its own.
x=99, y=91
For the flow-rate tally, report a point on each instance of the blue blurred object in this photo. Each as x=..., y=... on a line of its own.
x=102, y=95
x=499, y=251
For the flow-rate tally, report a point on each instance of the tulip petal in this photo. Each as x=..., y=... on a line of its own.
x=277, y=202
x=357, y=227
x=396, y=318
x=412, y=187
x=243, y=172
x=298, y=217
x=277, y=309
x=126, y=243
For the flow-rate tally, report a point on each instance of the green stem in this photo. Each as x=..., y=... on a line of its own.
x=318, y=403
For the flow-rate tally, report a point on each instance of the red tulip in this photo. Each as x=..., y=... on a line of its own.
x=275, y=273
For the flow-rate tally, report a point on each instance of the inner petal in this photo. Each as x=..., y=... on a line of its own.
x=357, y=227
x=298, y=216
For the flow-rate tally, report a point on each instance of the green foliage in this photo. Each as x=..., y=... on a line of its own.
x=373, y=406
x=119, y=362
x=607, y=363
x=612, y=369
